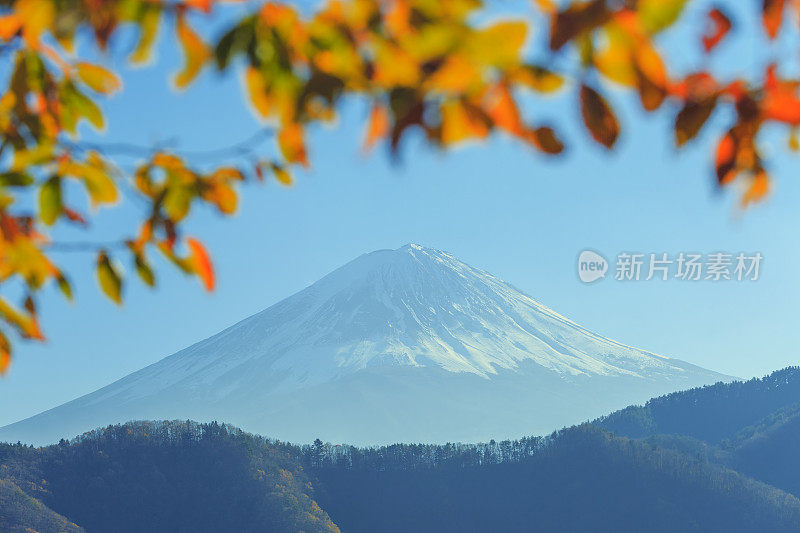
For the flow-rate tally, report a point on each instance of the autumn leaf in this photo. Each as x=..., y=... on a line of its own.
x=281, y=174
x=5, y=354
x=109, y=279
x=201, y=263
x=257, y=90
x=148, y=32
x=292, y=145
x=773, y=16
x=36, y=17
x=9, y=26
x=50, y=206
x=719, y=26
x=98, y=78
x=657, y=15
x=461, y=122
x=598, y=117
x=377, y=125
x=757, y=189
x=725, y=160
x=538, y=78
x=691, y=119
x=578, y=18
x=195, y=53
x=545, y=139
x=502, y=109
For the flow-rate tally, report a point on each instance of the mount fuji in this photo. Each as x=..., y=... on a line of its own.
x=397, y=345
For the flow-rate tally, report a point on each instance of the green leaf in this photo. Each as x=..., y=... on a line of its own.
x=15, y=179
x=658, y=15
x=50, y=205
x=109, y=279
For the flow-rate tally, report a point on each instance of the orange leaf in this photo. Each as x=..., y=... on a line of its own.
x=726, y=158
x=598, y=117
x=759, y=187
x=5, y=360
x=780, y=102
x=772, y=16
x=9, y=26
x=502, y=109
x=201, y=263
x=720, y=25
x=292, y=145
x=377, y=127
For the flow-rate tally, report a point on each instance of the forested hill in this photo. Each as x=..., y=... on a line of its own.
x=168, y=476
x=712, y=413
x=20, y=513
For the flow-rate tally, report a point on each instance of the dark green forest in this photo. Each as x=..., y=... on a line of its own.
x=718, y=458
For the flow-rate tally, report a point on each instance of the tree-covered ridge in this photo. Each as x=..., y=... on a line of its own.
x=184, y=476
x=579, y=479
x=169, y=476
x=19, y=513
x=712, y=413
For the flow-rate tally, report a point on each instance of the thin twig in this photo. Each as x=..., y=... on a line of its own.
x=238, y=149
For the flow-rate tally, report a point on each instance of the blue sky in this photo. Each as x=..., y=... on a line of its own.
x=498, y=206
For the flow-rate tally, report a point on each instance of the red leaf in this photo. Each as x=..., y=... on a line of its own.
x=772, y=16
x=598, y=117
x=720, y=26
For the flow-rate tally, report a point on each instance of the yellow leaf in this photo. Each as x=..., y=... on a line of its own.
x=148, y=28
x=456, y=75
x=615, y=61
x=538, y=78
x=24, y=322
x=499, y=45
x=281, y=174
x=110, y=281
x=201, y=263
x=257, y=90
x=460, y=123
x=195, y=53
x=37, y=16
x=98, y=78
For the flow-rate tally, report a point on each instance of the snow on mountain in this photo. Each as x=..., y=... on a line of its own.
x=406, y=344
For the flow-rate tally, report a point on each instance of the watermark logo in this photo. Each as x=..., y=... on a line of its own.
x=683, y=266
x=591, y=266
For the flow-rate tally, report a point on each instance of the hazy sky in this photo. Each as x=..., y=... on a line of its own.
x=498, y=206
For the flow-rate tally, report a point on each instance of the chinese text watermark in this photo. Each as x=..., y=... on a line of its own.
x=683, y=266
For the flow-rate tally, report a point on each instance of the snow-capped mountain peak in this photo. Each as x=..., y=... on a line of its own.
x=414, y=319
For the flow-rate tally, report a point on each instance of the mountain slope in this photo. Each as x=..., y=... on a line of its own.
x=406, y=344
